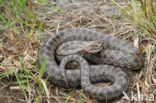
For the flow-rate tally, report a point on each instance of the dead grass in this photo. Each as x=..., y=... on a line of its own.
x=20, y=43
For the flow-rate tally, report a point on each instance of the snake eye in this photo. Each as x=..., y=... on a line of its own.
x=94, y=47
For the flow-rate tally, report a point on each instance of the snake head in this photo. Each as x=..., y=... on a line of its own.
x=93, y=47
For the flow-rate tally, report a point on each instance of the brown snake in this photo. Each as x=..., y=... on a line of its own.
x=115, y=52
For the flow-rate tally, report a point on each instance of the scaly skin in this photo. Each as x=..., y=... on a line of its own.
x=116, y=52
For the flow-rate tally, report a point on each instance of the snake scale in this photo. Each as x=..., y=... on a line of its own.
x=114, y=55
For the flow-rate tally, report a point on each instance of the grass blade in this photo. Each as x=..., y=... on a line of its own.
x=43, y=66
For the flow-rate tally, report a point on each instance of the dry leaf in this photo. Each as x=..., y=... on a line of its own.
x=136, y=42
x=15, y=87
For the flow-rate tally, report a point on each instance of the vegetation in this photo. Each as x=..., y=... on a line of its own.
x=25, y=24
x=143, y=14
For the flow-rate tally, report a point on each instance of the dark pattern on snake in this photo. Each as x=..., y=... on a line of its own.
x=115, y=52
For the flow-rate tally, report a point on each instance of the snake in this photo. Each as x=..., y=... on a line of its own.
x=110, y=54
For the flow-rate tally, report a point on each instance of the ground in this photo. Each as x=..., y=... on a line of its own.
x=19, y=47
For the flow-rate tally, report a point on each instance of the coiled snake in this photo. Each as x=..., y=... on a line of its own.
x=109, y=50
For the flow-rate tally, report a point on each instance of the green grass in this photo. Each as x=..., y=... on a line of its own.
x=20, y=14
x=25, y=77
x=143, y=14
x=69, y=96
x=16, y=12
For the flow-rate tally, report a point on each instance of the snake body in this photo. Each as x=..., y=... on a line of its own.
x=115, y=52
